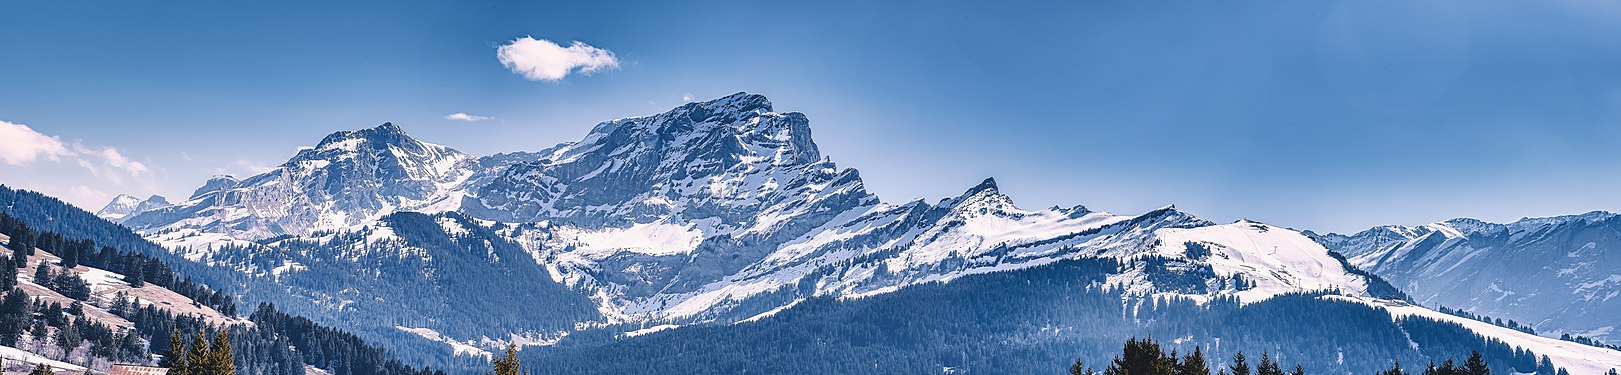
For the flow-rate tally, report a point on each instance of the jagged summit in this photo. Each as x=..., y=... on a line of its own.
x=216, y=183
x=729, y=158
x=125, y=205
x=989, y=184
x=350, y=178
x=387, y=133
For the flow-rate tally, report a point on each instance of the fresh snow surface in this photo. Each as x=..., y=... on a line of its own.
x=1578, y=358
x=643, y=331
x=1276, y=260
x=658, y=238
x=10, y=355
x=460, y=348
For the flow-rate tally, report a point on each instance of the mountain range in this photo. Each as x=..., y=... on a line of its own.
x=724, y=213
x=1556, y=274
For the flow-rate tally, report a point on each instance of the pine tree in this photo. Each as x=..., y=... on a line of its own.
x=41, y=369
x=1079, y=368
x=197, y=360
x=1476, y=365
x=509, y=365
x=38, y=331
x=220, y=360
x=1396, y=370
x=120, y=304
x=1141, y=357
x=134, y=271
x=175, y=357
x=42, y=274
x=1239, y=366
x=1299, y=370
x=19, y=248
x=1268, y=367
x=68, y=338
x=8, y=274
x=1193, y=364
x=14, y=316
x=129, y=346
x=1545, y=367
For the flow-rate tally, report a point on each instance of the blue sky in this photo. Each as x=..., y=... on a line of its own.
x=1323, y=115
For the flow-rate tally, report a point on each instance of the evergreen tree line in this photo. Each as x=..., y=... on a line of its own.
x=1584, y=340
x=137, y=269
x=276, y=344
x=254, y=351
x=1031, y=321
x=1510, y=324
x=330, y=348
x=199, y=356
x=51, y=328
x=1148, y=357
x=67, y=283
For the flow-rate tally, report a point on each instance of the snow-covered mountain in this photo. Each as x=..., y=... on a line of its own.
x=721, y=211
x=125, y=205
x=349, y=179
x=1558, y=274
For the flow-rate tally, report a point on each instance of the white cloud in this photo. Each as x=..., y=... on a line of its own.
x=687, y=97
x=542, y=60
x=21, y=145
x=106, y=163
x=114, y=159
x=463, y=116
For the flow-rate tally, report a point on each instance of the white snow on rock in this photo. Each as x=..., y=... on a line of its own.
x=1276, y=260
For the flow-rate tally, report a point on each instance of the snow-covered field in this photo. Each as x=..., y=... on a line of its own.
x=1578, y=358
x=13, y=355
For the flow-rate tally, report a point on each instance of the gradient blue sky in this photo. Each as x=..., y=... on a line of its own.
x=1311, y=114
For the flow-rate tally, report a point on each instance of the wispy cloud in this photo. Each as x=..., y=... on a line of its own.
x=106, y=163
x=21, y=145
x=463, y=116
x=26, y=151
x=543, y=60
x=686, y=97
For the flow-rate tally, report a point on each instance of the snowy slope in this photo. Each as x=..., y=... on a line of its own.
x=13, y=355
x=1273, y=259
x=104, y=285
x=1577, y=358
x=1558, y=274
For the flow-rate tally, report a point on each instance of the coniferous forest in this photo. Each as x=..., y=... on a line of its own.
x=274, y=342
x=1148, y=357
x=1032, y=321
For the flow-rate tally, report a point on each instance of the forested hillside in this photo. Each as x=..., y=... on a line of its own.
x=1031, y=321
x=76, y=301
